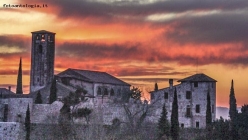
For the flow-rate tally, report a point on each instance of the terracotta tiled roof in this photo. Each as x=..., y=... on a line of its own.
x=198, y=78
x=92, y=76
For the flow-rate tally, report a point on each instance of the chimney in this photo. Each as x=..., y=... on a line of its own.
x=9, y=88
x=171, y=83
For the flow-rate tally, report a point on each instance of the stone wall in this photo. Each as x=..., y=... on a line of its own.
x=17, y=108
x=46, y=113
x=11, y=131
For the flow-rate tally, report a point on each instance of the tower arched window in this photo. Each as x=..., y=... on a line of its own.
x=42, y=37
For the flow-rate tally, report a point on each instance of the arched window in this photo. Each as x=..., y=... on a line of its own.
x=37, y=37
x=112, y=92
x=105, y=91
x=40, y=48
x=99, y=92
x=42, y=37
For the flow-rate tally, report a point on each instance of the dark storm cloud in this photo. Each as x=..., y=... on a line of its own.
x=98, y=8
x=18, y=43
x=98, y=51
x=107, y=10
x=226, y=27
x=137, y=52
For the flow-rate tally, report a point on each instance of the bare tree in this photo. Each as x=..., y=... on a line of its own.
x=136, y=110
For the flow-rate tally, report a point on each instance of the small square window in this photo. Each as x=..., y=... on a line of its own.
x=188, y=94
x=182, y=125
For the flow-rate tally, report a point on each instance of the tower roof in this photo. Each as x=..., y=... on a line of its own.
x=200, y=77
x=43, y=31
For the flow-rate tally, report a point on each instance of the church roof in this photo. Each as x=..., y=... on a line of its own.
x=92, y=76
x=43, y=31
x=198, y=78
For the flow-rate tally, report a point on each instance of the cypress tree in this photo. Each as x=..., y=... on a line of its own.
x=208, y=111
x=233, y=114
x=156, y=87
x=174, y=118
x=232, y=103
x=53, y=92
x=163, y=124
x=27, y=124
x=19, y=79
x=38, y=99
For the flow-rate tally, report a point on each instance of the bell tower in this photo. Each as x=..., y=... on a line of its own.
x=42, y=59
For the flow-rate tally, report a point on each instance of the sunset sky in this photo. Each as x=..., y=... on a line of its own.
x=139, y=41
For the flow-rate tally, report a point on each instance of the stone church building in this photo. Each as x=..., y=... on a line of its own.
x=104, y=93
x=101, y=85
x=192, y=99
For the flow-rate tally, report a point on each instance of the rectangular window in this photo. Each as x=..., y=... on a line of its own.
x=197, y=108
x=166, y=95
x=212, y=108
x=188, y=114
x=195, y=84
x=197, y=124
x=5, y=113
x=188, y=94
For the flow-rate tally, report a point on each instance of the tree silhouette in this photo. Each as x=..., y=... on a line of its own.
x=27, y=124
x=233, y=113
x=174, y=118
x=208, y=111
x=38, y=99
x=163, y=124
x=19, y=79
x=53, y=92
